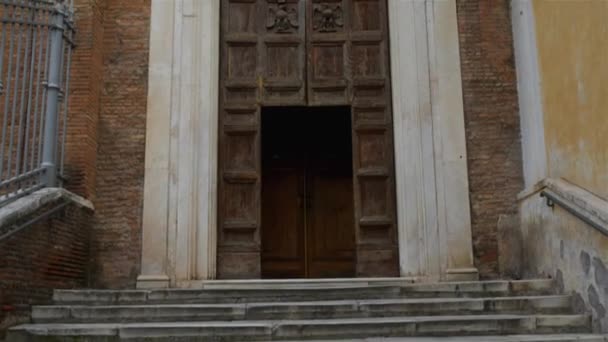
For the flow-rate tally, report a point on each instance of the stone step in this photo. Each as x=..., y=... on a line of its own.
x=302, y=310
x=510, y=338
x=461, y=325
x=235, y=293
x=302, y=283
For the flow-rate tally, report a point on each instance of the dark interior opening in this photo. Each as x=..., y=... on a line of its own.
x=307, y=133
x=308, y=224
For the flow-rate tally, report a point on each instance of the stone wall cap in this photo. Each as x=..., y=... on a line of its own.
x=589, y=202
x=29, y=204
x=583, y=201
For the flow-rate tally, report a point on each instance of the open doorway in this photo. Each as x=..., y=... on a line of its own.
x=308, y=219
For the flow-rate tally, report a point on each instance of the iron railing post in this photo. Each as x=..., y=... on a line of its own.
x=53, y=86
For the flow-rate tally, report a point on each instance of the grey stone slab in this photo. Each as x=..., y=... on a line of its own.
x=323, y=329
x=271, y=311
x=100, y=296
x=301, y=310
x=304, y=283
x=282, y=293
x=511, y=338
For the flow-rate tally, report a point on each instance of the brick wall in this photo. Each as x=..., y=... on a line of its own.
x=120, y=161
x=492, y=121
x=53, y=253
x=85, y=87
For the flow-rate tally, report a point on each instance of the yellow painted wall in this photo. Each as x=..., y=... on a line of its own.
x=572, y=38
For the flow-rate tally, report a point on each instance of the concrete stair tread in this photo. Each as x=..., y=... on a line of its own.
x=228, y=311
x=510, y=338
x=347, y=283
x=303, y=283
x=554, y=304
x=273, y=323
x=279, y=293
x=350, y=282
x=463, y=325
x=320, y=302
x=454, y=300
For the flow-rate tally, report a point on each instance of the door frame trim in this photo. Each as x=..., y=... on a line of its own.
x=433, y=206
x=180, y=188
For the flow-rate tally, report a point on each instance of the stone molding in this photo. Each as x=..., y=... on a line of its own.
x=179, y=219
x=530, y=93
x=180, y=191
x=430, y=149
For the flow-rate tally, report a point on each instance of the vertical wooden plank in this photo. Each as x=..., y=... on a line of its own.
x=239, y=126
x=377, y=250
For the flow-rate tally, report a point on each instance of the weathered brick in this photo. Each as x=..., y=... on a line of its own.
x=121, y=143
x=85, y=88
x=491, y=120
x=53, y=253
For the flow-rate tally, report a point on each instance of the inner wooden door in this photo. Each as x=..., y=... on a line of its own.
x=308, y=219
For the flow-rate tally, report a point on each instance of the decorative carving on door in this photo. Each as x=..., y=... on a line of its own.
x=282, y=18
x=327, y=18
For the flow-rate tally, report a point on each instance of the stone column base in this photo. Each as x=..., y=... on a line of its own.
x=153, y=282
x=462, y=274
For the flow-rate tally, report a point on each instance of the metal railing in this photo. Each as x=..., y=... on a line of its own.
x=36, y=42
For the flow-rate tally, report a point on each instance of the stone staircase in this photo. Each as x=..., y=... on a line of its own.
x=357, y=310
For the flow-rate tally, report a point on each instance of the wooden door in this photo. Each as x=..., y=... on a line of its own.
x=348, y=64
x=308, y=227
x=311, y=53
x=262, y=63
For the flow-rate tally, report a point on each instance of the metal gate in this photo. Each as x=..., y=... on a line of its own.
x=36, y=43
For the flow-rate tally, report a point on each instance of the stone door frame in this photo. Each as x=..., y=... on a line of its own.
x=180, y=192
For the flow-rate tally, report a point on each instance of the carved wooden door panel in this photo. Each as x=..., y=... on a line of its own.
x=262, y=62
x=348, y=64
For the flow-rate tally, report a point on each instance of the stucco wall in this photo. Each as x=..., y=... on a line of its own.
x=572, y=45
x=560, y=246
x=572, y=39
